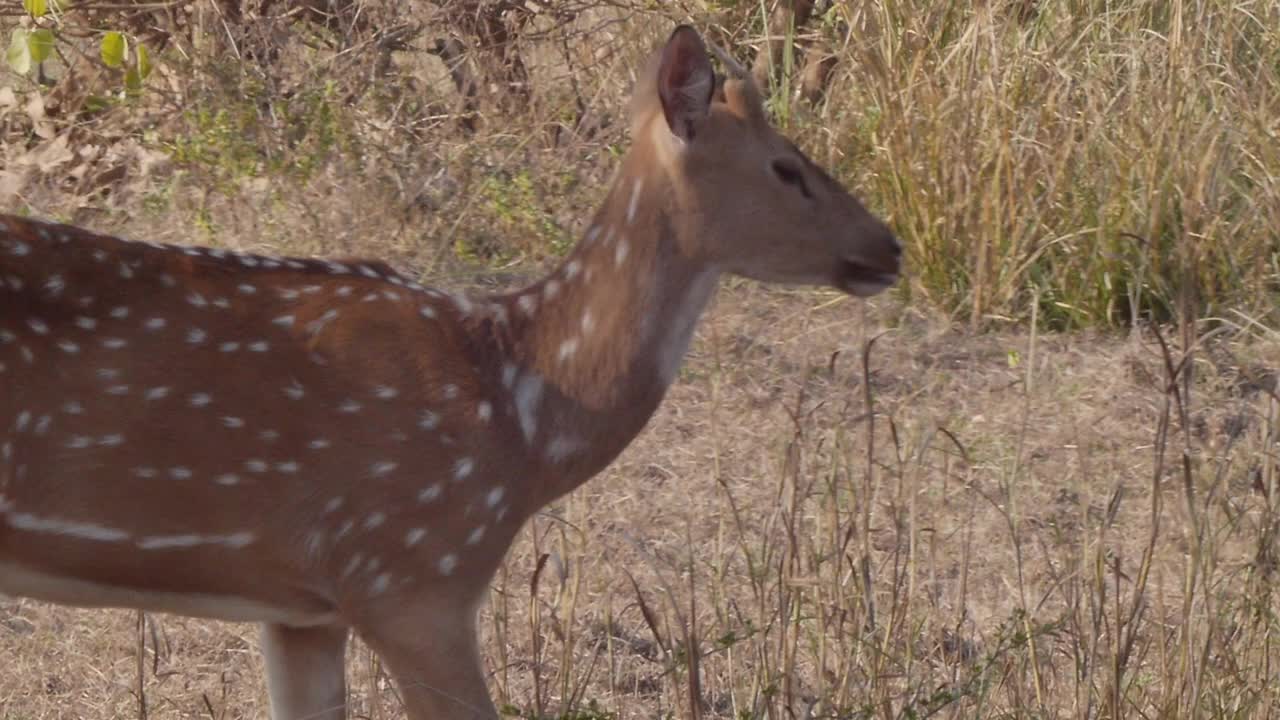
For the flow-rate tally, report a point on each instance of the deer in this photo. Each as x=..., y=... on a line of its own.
x=327, y=447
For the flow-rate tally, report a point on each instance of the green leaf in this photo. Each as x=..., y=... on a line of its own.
x=40, y=44
x=19, y=55
x=113, y=46
x=132, y=80
x=144, y=61
x=35, y=8
x=96, y=104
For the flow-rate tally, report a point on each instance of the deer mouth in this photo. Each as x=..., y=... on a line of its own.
x=863, y=280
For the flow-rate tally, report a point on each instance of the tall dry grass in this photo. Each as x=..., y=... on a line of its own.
x=1113, y=160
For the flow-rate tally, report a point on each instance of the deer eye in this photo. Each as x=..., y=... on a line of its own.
x=789, y=172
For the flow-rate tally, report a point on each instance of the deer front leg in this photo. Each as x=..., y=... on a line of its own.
x=432, y=653
x=305, y=671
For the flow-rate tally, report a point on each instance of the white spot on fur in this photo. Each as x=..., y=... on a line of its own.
x=55, y=285
x=568, y=348
x=448, y=564
x=635, y=200
x=528, y=394
x=430, y=493
x=494, y=496
x=70, y=528
x=563, y=446
x=167, y=542
x=463, y=467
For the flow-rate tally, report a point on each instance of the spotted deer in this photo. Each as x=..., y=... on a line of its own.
x=326, y=446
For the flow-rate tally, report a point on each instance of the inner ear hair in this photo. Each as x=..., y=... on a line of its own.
x=685, y=82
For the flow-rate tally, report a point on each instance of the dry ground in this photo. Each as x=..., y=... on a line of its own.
x=1008, y=498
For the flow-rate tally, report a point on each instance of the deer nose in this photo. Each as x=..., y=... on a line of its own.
x=880, y=247
x=891, y=242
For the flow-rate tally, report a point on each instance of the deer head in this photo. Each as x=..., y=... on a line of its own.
x=748, y=201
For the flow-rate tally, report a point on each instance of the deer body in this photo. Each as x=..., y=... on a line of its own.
x=321, y=446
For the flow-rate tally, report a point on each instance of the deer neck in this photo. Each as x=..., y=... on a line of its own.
x=594, y=346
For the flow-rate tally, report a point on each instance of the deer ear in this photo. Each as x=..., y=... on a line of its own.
x=685, y=82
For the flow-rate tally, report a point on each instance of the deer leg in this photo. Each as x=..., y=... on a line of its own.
x=305, y=671
x=433, y=657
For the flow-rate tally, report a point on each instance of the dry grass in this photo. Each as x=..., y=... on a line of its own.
x=983, y=522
